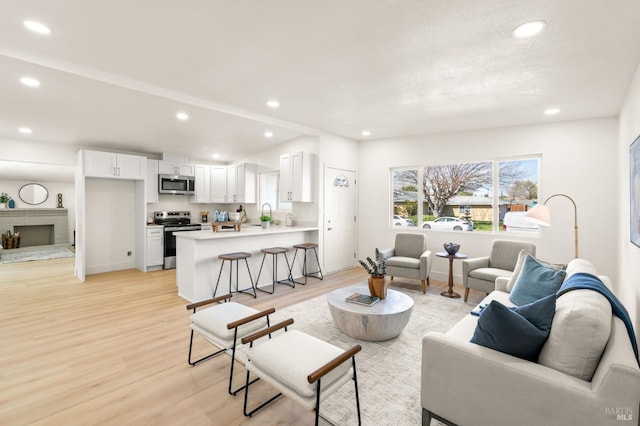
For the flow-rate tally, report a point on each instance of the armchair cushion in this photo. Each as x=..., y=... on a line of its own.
x=520, y=331
x=404, y=262
x=409, y=245
x=535, y=281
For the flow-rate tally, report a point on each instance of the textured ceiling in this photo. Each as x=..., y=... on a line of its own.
x=114, y=73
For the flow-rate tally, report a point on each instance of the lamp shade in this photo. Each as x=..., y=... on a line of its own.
x=540, y=214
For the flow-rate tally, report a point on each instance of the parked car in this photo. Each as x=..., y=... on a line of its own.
x=516, y=222
x=402, y=221
x=449, y=223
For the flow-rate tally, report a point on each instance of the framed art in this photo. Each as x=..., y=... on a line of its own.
x=634, y=184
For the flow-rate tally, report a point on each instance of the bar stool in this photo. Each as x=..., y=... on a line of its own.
x=274, y=252
x=236, y=257
x=305, y=273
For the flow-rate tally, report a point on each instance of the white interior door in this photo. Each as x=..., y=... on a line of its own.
x=340, y=219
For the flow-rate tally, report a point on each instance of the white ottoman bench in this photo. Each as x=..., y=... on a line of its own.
x=296, y=364
x=223, y=324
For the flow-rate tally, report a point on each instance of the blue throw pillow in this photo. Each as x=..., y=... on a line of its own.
x=520, y=331
x=535, y=281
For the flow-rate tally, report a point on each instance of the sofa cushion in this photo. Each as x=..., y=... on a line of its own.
x=516, y=271
x=579, y=333
x=519, y=331
x=535, y=281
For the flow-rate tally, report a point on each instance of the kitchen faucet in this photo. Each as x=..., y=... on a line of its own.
x=262, y=212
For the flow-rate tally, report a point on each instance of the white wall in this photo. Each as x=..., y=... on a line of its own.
x=577, y=159
x=110, y=225
x=627, y=287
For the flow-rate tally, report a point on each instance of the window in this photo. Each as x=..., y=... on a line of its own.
x=405, y=197
x=464, y=196
x=269, y=192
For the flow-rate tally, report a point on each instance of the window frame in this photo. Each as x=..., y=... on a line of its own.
x=494, y=191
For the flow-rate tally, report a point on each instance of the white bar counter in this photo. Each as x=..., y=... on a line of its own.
x=198, y=266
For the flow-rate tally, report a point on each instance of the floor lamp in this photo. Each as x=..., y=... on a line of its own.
x=541, y=215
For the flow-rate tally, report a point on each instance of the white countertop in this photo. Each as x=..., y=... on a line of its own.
x=245, y=231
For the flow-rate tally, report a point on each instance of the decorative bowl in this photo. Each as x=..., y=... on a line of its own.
x=451, y=248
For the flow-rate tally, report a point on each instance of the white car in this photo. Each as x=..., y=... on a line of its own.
x=516, y=222
x=402, y=221
x=449, y=223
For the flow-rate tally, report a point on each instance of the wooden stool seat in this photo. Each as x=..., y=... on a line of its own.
x=274, y=252
x=306, y=246
x=235, y=257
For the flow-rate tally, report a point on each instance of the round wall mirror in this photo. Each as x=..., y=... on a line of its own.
x=33, y=193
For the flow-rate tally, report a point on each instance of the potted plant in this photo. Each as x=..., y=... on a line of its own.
x=378, y=270
x=265, y=221
x=4, y=199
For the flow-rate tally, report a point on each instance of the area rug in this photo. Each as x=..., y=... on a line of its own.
x=388, y=372
x=39, y=253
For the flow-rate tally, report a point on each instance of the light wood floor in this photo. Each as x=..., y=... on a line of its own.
x=113, y=350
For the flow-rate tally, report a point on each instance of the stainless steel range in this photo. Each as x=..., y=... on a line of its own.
x=179, y=221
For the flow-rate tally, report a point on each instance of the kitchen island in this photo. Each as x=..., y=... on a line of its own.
x=198, y=266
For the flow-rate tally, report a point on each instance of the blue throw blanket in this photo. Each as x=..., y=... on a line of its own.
x=584, y=281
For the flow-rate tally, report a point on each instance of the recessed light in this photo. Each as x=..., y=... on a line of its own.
x=25, y=130
x=528, y=29
x=37, y=27
x=272, y=103
x=182, y=116
x=366, y=133
x=216, y=155
x=551, y=111
x=30, y=81
x=268, y=134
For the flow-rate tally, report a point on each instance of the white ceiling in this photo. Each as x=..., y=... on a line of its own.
x=114, y=73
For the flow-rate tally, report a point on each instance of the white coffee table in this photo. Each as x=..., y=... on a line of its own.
x=382, y=321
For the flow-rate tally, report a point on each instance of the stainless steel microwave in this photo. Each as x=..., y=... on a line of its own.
x=177, y=185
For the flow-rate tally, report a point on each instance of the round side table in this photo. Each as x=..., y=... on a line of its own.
x=450, y=293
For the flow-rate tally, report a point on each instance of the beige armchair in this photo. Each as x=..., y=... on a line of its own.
x=480, y=273
x=409, y=258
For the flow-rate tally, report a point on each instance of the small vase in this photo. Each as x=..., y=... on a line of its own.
x=378, y=287
x=3, y=206
x=265, y=225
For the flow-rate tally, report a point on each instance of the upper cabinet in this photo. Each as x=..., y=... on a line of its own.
x=175, y=168
x=114, y=165
x=241, y=183
x=218, y=184
x=203, y=184
x=152, y=181
x=297, y=176
x=225, y=184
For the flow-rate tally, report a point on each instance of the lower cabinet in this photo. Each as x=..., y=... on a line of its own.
x=155, y=248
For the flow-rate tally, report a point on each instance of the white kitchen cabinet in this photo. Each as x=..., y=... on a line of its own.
x=151, y=182
x=174, y=168
x=114, y=165
x=203, y=184
x=241, y=183
x=218, y=184
x=297, y=176
x=155, y=247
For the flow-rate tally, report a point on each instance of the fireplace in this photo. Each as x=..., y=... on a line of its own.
x=36, y=226
x=35, y=235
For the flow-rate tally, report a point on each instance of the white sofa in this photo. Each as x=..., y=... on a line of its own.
x=467, y=384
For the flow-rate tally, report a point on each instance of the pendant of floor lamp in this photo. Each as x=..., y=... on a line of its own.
x=541, y=215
